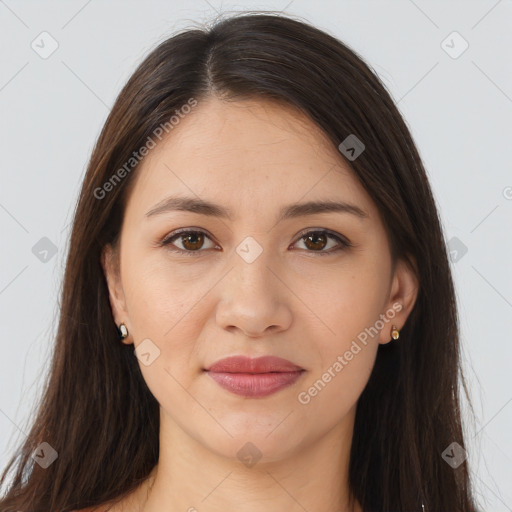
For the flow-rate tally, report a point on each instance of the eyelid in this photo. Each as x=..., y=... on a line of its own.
x=175, y=234
x=342, y=241
x=179, y=231
x=329, y=232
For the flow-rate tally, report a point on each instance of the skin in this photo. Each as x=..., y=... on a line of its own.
x=253, y=157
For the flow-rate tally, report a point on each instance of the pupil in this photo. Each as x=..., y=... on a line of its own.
x=320, y=237
x=196, y=244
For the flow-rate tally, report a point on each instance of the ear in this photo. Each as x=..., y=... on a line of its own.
x=402, y=297
x=111, y=269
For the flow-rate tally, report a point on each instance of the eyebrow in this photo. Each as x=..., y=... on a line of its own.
x=202, y=207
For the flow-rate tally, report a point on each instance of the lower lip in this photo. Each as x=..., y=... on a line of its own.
x=255, y=385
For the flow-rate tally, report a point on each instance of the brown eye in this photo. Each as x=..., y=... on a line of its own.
x=315, y=241
x=191, y=241
x=318, y=241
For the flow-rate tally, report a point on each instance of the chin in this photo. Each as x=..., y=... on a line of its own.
x=255, y=442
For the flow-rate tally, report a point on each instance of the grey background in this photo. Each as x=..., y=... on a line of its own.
x=458, y=109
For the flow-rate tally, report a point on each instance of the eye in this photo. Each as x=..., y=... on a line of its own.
x=317, y=241
x=191, y=240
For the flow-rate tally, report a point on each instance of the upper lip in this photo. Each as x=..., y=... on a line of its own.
x=243, y=364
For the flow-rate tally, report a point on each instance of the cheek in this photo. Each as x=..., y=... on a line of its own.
x=161, y=309
x=334, y=389
x=347, y=350
x=349, y=303
x=159, y=300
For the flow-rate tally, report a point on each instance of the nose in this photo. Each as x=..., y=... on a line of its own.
x=254, y=299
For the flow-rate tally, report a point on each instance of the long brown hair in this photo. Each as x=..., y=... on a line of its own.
x=96, y=410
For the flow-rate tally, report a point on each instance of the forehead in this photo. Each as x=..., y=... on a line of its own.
x=244, y=153
x=270, y=133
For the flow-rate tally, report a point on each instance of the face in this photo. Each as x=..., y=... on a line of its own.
x=313, y=287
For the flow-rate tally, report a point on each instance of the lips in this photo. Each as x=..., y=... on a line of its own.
x=254, y=378
x=242, y=364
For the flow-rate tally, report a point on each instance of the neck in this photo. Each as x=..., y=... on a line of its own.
x=190, y=477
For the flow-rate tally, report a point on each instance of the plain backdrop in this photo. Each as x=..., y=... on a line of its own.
x=448, y=66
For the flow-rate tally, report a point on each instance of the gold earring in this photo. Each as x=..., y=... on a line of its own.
x=123, y=331
x=395, y=333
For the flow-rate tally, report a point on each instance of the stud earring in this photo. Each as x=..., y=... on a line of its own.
x=123, y=331
x=395, y=333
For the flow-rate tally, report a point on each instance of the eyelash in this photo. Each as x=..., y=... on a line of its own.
x=176, y=234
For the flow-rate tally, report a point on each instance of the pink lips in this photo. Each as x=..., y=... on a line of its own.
x=254, y=377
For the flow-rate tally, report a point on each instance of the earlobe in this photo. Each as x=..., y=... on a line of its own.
x=403, y=295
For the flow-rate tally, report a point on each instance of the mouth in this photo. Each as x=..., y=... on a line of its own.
x=254, y=378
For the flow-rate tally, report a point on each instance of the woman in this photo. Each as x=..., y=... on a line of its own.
x=257, y=306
